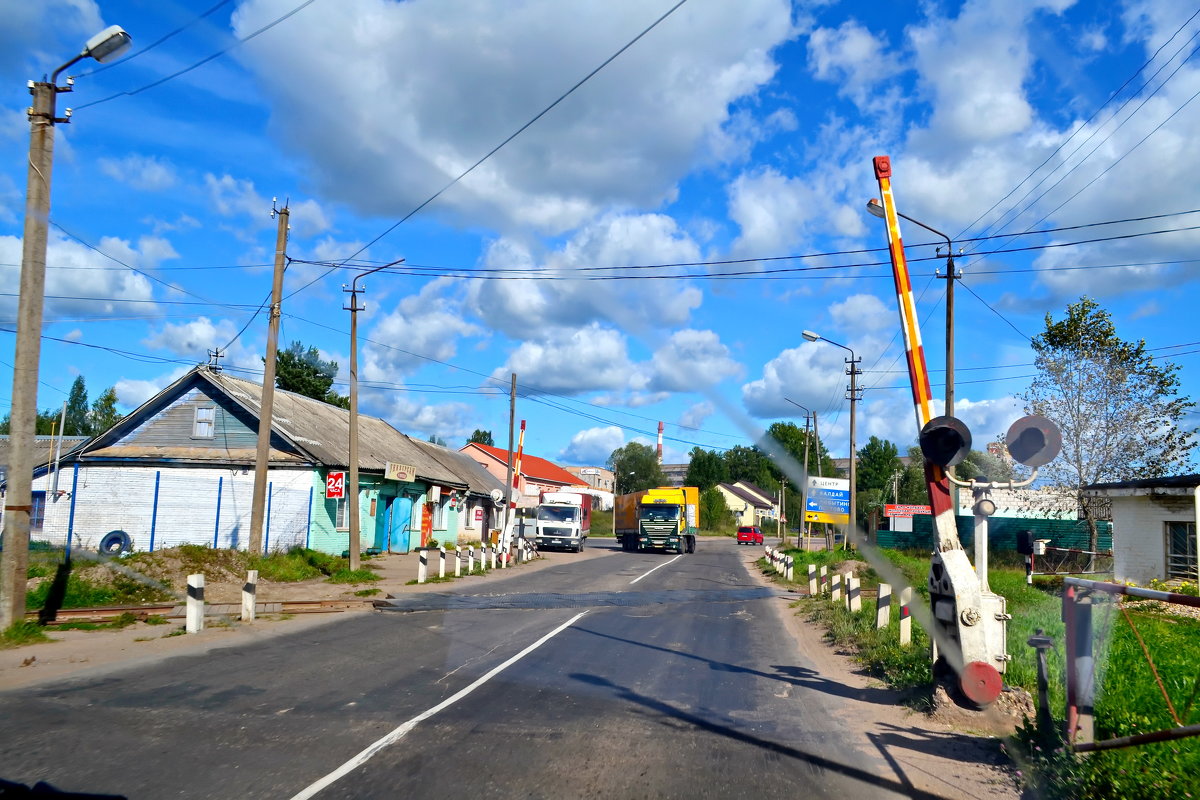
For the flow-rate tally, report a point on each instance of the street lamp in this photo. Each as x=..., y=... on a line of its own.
x=352, y=508
x=852, y=368
x=18, y=503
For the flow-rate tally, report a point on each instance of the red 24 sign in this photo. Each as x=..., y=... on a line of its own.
x=335, y=485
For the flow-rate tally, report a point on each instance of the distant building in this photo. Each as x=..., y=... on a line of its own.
x=537, y=474
x=676, y=474
x=1154, y=527
x=595, y=477
x=747, y=507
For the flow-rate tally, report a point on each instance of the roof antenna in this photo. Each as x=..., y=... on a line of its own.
x=214, y=357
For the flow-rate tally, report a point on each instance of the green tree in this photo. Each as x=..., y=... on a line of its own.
x=706, y=469
x=979, y=463
x=104, y=412
x=790, y=437
x=878, y=464
x=1118, y=407
x=481, y=436
x=76, y=422
x=47, y=423
x=714, y=514
x=749, y=464
x=635, y=467
x=303, y=371
x=913, y=490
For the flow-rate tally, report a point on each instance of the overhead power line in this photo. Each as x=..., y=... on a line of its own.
x=497, y=148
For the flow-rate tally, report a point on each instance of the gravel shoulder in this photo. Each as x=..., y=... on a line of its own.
x=923, y=752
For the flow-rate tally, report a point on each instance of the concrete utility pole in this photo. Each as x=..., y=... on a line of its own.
x=266, y=405
x=353, y=511
x=18, y=501
x=508, y=482
x=804, y=487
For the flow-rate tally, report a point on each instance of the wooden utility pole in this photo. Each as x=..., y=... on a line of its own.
x=266, y=406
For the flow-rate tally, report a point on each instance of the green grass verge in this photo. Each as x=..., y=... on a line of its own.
x=1128, y=698
x=22, y=633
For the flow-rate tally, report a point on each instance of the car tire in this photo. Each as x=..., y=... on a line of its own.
x=115, y=542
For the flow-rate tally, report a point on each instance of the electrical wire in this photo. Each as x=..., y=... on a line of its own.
x=201, y=62
x=154, y=44
x=497, y=148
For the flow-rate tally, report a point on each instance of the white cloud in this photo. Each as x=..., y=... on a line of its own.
x=81, y=282
x=593, y=445
x=461, y=88
x=690, y=361
x=423, y=326
x=696, y=414
x=450, y=421
x=853, y=58
x=573, y=361
x=864, y=312
x=807, y=375
x=528, y=309
x=131, y=393
x=771, y=210
x=192, y=339
x=148, y=173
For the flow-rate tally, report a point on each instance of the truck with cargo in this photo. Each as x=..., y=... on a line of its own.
x=563, y=520
x=665, y=518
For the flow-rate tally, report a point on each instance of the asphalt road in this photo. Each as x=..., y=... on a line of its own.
x=620, y=676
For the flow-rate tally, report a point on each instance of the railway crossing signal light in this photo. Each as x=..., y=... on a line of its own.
x=945, y=441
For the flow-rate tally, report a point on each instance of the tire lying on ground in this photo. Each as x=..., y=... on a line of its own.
x=115, y=542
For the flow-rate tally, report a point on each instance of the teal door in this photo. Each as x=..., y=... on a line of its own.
x=399, y=514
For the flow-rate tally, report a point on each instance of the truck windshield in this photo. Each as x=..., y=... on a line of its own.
x=660, y=513
x=556, y=513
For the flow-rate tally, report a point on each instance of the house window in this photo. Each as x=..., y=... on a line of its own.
x=202, y=427
x=37, y=514
x=439, y=516
x=1181, y=550
x=339, y=515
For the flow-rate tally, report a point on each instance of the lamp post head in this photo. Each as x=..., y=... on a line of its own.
x=811, y=336
x=108, y=45
x=875, y=208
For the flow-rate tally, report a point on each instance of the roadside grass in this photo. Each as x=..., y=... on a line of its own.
x=22, y=633
x=367, y=592
x=86, y=587
x=352, y=576
x=1128, y=699
x=122, y=621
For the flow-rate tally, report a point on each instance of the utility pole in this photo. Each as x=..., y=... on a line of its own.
x=107, y=45
x=508, y=490
x=804, y=487
x=266, y=405
x=852, y=366
x=353, y=511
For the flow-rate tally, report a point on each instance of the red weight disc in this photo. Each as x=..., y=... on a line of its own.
x=981, y=683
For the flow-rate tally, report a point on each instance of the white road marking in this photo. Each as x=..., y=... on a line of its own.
x=660, y=566
x=400, y=732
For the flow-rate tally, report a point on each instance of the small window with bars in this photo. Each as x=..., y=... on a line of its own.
x=1181, y=551
x=205, y=422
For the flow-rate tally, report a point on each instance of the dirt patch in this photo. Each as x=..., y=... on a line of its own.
x=1001, y=718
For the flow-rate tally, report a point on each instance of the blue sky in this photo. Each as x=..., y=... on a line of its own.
x=727, y=133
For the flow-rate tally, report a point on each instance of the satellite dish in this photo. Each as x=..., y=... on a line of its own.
x=1033, y=440
x=497, y=496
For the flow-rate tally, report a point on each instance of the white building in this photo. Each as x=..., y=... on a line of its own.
x=1154, y=527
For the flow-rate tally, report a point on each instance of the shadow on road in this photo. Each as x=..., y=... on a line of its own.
x=795, y=676
x=903, y=788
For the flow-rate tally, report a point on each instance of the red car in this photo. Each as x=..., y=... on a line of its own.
x=749, y=534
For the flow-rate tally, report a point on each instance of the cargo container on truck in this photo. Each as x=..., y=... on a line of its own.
x=564, y=519
x=665, y=518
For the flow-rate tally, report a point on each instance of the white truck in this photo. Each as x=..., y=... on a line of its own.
x=564, y=520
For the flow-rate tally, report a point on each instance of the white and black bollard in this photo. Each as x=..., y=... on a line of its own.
x=457, y=561
x=470, y=558
x=883, y=607
x=441, y=561
x=789, y=565
x=835, y=587
x=812, y=580
x=905, y=619
x=492, y=555
x=825, y=580
x=854, y=592
x=195, y=603
x=422, y=565
x=249, y=595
